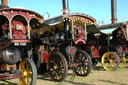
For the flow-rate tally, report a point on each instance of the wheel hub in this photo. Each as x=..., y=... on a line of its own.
x=111, y=61
x=55, y=67
x=25, y=73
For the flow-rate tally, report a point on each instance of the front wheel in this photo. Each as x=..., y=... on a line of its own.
x=57, y=66
x=110, y=61
x=83, y=61
x=29, y=71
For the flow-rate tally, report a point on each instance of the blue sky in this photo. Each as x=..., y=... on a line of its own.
x=99, y=9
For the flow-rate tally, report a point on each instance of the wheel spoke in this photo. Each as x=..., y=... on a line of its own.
x=124, y=60
x=57, y=67
x=110, y=61
x=82, y=59
x=28, y=80
x=22, y=81
x=28, y=68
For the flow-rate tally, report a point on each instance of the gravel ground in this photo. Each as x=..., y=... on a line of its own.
x=99, y=76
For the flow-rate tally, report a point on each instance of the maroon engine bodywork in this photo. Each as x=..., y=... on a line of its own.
x=15, y=38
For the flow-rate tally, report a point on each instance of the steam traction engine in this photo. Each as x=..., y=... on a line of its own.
x=56, y=43
x=15, y=44
x=120, y=40
x=108, y=48
x=59, y=53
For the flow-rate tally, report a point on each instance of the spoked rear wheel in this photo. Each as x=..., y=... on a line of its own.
x=83, y=61
x=124, y=60
x=29, y=71
x=110, y=61
x=57, y=67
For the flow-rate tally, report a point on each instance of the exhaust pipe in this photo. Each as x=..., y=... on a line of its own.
x=4, y=3
x=66, y=20
x=114, y=11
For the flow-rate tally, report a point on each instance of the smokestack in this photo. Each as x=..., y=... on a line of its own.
x=4, y=3
x=66, y=20
x=65, y=7
x=114, y=11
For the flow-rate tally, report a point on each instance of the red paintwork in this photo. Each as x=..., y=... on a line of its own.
x=45, y=56
x=74, y=50
x=21, y=33
x=84, y=16
x=96, y=52
x=126, y=48
x=16, y=21
x=119, y=33
x=20, y=41
x=3, y=27
x=79, y=36
x=80, y=42
x=27, y=14
x=71, y=65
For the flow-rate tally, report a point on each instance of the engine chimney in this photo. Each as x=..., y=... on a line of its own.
x=66, y=20
x=65, y=7
x=4, y=3
x=114, y=11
